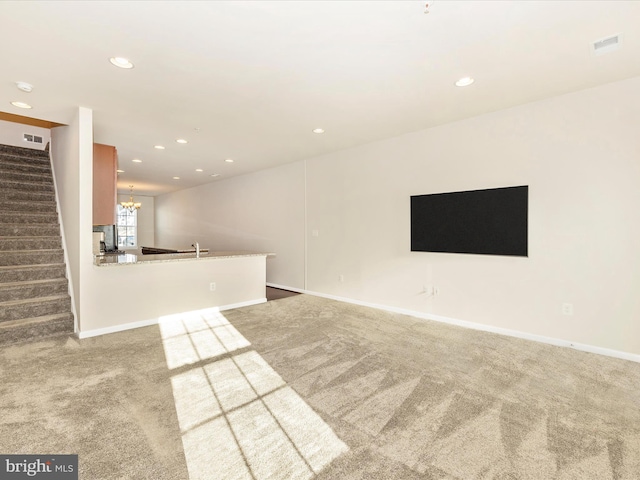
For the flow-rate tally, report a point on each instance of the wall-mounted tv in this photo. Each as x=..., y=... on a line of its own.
x=487, y=222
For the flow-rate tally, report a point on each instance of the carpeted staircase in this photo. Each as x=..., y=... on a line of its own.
x=34, y=292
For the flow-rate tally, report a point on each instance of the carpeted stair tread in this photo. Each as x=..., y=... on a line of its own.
x=32, y=177
x=17, y=273
x=32, y=206
x=32, y=289
x=24, y=159
x=26, y=257
x=48, y=251
x=24, y=167
x=34, y=307
x=8, y=159
x=29, y=229
x=8, y=177
x=12, y=237
x=33, y=243
x=26, y=185
x=36, y=328
x=9, y=195
x=30, y=282
x=38, y=159
x=5, y=268
x=42, y=250
x=34, y=320
x=11, y=160
x=28, y=301
x=28, y=152
x=27, y=217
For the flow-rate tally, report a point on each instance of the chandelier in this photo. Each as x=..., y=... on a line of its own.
x=131, y=205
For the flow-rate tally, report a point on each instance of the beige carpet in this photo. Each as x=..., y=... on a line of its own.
x=305, y=387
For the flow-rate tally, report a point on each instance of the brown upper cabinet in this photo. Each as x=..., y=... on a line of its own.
x=105, y=164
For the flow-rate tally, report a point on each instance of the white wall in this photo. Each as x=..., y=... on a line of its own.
x=146, y=218
x=261, y=212
x=72, y=162
x=579, y=154
x=12, y=134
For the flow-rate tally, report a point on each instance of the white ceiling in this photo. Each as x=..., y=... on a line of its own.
x=256, y=77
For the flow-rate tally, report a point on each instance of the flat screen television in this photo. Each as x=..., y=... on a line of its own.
x=486, y=222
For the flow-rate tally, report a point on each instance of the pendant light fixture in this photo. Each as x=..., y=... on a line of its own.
x=131, y=205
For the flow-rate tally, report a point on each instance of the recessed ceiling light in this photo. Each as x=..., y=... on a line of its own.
x=24, y=86
x=120, y=171
x=318, y=130
x=464, y=82
x=229, y=160
x=176, y=178
x=20, y=104
x=181, y=140
x=158, y=147
x=214, y=175
x=121, y=62
x=136, y=160
x=199, y=170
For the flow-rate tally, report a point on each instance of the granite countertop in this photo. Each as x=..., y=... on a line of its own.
x=132, y=258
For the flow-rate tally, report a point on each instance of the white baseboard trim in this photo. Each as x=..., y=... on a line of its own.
x=154, y=321
x=478, y=326
x=242, y=304
x=117, y=328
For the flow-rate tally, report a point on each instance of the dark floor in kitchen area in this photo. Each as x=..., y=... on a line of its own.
x=278, y=293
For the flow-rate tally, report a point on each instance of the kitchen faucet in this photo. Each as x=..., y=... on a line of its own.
x=197, y=247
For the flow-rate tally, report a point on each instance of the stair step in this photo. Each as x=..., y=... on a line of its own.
x=34, y=307
x=33, y=289
x=8, y=175
x=31, y=257
x=22, y=151
x=29, y=243
x=25, y=165
x=28, y=230
x=26, y=186
x=29, y=217
x=36, y=328
x=11, y=162
x=14, y=158
x=23, y=273
x=20, y=165
x=11, y=195
x=25, y=206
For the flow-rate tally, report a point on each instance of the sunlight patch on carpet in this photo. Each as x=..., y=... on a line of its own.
x=199, y=335
x=239, y=419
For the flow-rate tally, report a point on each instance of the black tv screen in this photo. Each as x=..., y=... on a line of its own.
x=486, y=222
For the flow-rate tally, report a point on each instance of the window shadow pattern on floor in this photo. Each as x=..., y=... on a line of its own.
x=238, y=418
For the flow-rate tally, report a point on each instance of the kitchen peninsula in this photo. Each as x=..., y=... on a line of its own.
x=127, y=258
x=134, y=290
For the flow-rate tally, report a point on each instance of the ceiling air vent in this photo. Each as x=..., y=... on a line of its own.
x=29, y=138
x=606, y=45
